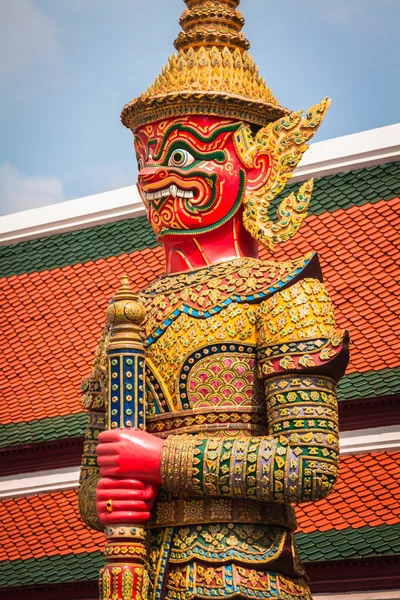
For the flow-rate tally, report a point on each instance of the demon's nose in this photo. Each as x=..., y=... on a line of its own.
x=147, y=174
x=151, y=174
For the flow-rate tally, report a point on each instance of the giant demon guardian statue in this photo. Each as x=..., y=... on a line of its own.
x=217, y=383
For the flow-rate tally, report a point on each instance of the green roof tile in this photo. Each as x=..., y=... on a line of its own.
x=77, y=247
x=342, y=190
x=55, y=428
x=355, y=188
x=369, y=384
x=51, y=569
x=365, y=542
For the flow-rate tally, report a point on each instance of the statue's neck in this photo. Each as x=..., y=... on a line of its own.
x=230, y=241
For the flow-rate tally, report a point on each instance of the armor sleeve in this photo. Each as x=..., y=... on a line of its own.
x=93, y=401
x=301, y=357
x=90, y=470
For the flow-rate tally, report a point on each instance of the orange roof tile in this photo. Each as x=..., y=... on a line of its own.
x=44, y=525
x=49, y=344
x=361, y=496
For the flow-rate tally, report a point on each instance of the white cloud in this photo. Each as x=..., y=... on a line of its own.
x=27, y=40
x=19, y=192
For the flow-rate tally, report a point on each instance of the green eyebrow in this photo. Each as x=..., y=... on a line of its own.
x=194, y=132
x=218, y=155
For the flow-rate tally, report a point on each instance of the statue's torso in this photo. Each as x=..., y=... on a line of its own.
x=201, y=351
x=201, y=335
x=205, y=334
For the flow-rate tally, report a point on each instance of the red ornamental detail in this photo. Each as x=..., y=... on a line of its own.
x=230, y=382
x=123, y=582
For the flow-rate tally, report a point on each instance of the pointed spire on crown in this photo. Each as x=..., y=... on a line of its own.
x=211, y=74
x=211, y=23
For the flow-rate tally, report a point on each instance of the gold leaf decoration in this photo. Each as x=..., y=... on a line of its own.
x=105, y=579
x=327, y=353
x=337, y=338
x=287, y=363
x=213, y=81
x=284, y=142
x=306, y=361
x=127, y=585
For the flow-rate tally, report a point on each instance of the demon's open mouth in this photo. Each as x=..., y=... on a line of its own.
x=173, y=190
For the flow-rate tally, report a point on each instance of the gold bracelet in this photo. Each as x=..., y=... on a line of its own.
x=168, y=467
x=190, y=464
x=174, y=462
x=164, y=461
x=183, y=479
x=177, y=464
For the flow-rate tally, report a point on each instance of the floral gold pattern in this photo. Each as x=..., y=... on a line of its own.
x=284, y=142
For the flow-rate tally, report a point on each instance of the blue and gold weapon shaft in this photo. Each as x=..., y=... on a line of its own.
x=124, y=575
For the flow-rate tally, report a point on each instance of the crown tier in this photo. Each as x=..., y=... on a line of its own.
x=215, y=23
x=212, y=73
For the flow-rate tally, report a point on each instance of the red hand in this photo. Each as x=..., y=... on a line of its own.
x=124, y=501
x=130, y=453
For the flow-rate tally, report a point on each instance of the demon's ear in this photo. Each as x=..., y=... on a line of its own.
x=254, y=157
x=282, y=143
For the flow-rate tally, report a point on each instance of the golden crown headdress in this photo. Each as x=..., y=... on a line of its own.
x=211, y=74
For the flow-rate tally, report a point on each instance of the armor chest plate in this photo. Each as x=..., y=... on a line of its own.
x=200, y=328
x=217, y=389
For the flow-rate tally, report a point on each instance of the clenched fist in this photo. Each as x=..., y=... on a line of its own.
x=124, y=501
x=131, y=454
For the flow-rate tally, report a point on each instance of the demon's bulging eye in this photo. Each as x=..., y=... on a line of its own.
x=140, y=163
x=180, y=158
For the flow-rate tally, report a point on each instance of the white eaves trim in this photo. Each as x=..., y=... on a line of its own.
x=370, y=440
x=82, y=213
x=346, y=153
x=350, y=152
x=28, y=484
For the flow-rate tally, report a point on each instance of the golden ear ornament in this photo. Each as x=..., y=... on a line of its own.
x=284, y=141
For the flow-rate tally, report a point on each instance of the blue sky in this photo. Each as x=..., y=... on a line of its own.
x=68, y=66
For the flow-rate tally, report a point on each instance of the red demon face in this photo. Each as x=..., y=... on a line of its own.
x=191, y=179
